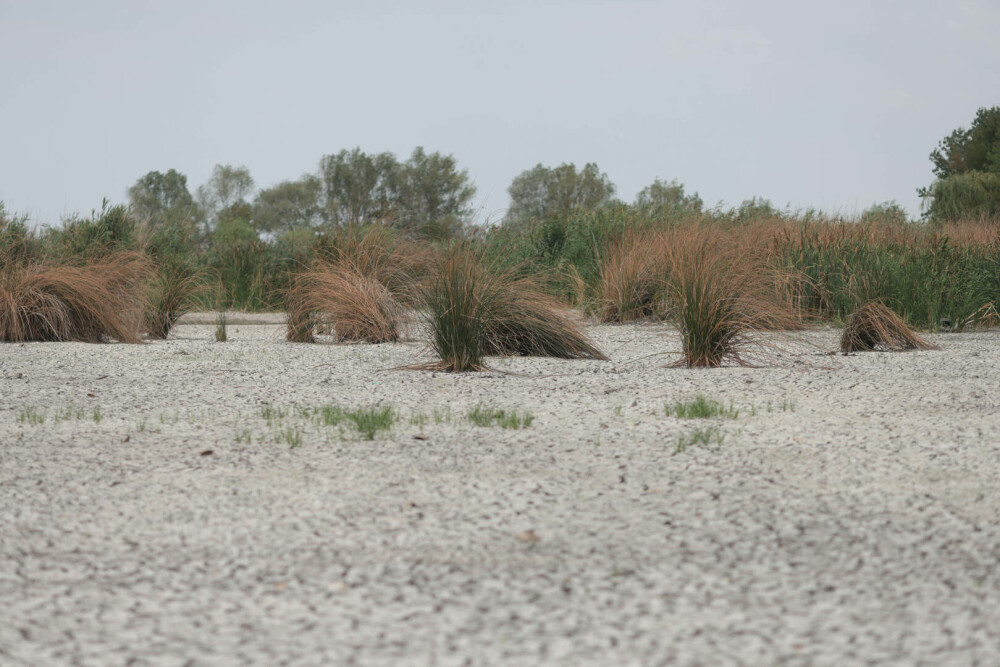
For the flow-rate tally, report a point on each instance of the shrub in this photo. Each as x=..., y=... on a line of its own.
x=875, y=327
x=91, y=303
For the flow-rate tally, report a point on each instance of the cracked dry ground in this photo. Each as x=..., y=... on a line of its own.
x=849, y=515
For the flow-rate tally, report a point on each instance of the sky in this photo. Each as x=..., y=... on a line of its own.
x=832, y=105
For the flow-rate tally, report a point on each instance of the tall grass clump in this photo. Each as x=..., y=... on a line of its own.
x=630, y=285
x=875, y=327
x=91, y=302
x=358, y=289
x=169, y=295
x=720, y=296
x=477, y=307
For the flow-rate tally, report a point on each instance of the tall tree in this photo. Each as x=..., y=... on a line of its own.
x=543, y=192
x=227, y=186
x=967, y=166
x=163, y=199
x=288, y=205
x=359, y=188
x=668, y=196
x=433, y=194
x=974, y=149
x=163, y=206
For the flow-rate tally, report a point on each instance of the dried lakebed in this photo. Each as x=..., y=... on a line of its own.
x=190, y=502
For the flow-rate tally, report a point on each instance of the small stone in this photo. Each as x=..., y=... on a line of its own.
x=526, y=536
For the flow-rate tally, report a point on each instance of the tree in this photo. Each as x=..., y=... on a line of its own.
x=358, y=188
x=973, y=149
x=967, y=166
x=162, y=198
x=227, y=187
x=288, y=205
x=664, y=196
x=543, y=192
x=433, y=195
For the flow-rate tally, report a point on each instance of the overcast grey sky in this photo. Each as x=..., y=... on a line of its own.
x=827, y=104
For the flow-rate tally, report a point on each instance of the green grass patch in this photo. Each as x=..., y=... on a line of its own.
x=368, y=421
x=291, y=436
x=709, y=435
x=483, y=415
x=29, y=415
x=701, y=407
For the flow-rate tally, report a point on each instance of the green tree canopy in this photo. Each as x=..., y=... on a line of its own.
x=426, y=190
x=668, y=196
x=163, y=198
x=433, y=194
x=227, y=186
x=974, y=149
x=967, y=166
x=288, y=205
x=358, y=188
x=543, y=192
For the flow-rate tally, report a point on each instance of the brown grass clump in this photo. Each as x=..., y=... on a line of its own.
x=359, y=288
x=90, y=303
x=721, y=294
x=873, y=327
x=352, y=306
x=631, y=278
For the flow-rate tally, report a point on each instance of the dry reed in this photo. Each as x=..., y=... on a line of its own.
x=874, y=327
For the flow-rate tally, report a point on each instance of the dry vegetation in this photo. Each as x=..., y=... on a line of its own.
x=99, y=301
x=874, y=327
x=358, y=289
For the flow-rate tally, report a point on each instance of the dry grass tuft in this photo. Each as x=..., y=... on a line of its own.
x=631, y=279
x=720, y=295
x=358, y=290
x=90, y=303
x=528, y=322
x=873, y=327
x=354, y=307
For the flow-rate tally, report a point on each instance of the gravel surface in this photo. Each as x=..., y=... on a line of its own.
x=183, y=503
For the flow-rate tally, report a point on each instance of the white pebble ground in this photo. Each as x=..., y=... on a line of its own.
x=181, y=503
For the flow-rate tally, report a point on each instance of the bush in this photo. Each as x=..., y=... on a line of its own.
x=972, y=195
x=631, y=279
x=358, y=287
